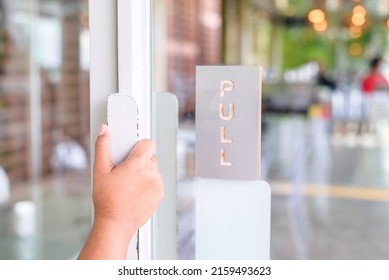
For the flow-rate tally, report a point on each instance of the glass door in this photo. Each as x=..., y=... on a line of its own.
x=44, y=128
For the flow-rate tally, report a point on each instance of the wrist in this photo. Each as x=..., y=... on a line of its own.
x=108, y=240
x=111, y=224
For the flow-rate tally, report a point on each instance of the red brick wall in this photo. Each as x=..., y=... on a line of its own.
x=65, y=107
x=193, y=38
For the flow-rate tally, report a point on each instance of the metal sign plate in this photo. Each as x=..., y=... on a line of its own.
x=228, y=118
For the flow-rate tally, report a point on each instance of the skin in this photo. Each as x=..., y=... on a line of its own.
x=124, y=197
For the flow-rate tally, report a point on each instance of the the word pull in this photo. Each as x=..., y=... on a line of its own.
x=225, y=85
x=228, y=119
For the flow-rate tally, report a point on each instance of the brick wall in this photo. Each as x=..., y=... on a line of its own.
x=193, y=38
x=65, y=106
x=14, y=129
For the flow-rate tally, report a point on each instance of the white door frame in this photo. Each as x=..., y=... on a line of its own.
x=120, y=34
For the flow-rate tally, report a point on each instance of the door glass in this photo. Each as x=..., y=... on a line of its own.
x=44, y=129
x=186, y=34
x=324, y=139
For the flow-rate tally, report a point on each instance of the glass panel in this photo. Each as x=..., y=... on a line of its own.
x=44, y=136
x=186, y=34
x=324, y=140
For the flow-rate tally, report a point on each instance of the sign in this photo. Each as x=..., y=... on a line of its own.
x=228, y=119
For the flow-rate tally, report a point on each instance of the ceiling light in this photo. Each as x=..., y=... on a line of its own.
x=320, y=26
x=358, y=20
x=355, y=32
x=355, y=49
x=359, y=9
x=316, y=16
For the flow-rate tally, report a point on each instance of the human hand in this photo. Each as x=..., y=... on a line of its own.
x=124, y=197
x=126, y=194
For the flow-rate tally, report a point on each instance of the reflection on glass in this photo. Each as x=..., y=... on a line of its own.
x=44, y=204
x=4, y=187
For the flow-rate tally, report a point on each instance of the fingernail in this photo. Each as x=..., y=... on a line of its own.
x=102, y=129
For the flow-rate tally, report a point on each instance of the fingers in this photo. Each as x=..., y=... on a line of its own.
x=144, y=148
x=103, y=161
x=143, y=157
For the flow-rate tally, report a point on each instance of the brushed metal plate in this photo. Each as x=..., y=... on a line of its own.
x=228, y=118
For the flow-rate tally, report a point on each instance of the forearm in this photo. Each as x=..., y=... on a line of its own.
x=107, y=241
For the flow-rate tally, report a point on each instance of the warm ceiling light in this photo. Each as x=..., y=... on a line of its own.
x=320, y=26
x=359, y=9
x=316, y=16
x=355, y=49
x=358, y=20
x=355, y=35
x=355, y=32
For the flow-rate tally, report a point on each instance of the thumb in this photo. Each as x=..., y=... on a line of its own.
x=103, y=161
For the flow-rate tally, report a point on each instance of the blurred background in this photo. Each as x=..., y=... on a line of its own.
x=325, y=136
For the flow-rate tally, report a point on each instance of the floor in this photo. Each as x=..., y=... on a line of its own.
x=59, y=224
x=330, y=195
x=330, y=189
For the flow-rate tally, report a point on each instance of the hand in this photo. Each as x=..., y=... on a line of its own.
x=129, y=192
x=124, y=197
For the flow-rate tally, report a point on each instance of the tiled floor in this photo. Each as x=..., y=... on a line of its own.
x=330, y=196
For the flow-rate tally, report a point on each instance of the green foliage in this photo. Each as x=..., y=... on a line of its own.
x=301, y=6
x=302, y=45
